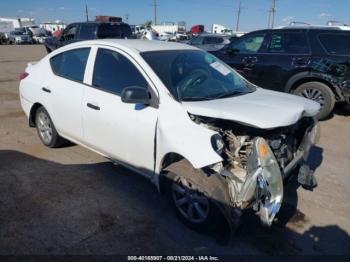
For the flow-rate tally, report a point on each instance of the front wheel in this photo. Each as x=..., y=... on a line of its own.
x=199, y=201
x=46, y=129
x=319, y=93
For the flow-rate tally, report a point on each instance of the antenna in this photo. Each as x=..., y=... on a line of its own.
x=238, y=15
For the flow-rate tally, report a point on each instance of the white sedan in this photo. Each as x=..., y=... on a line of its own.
x=209, y=139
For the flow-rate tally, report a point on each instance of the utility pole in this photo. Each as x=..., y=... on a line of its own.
x=273, y=12
x=238, y=15
x=155, y=11
x=269, y=19
x=87, y=13
x=126, y=18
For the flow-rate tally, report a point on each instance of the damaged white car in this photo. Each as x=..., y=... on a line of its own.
x=215, y=143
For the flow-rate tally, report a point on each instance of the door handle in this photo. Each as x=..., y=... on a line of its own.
x=250, y=60
x=46, y=90
x=92, y=106
x=300, y=61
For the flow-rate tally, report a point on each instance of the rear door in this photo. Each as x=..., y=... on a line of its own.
x=244, y=55
x=287, y=53
x=66, y=90
x=121, y=131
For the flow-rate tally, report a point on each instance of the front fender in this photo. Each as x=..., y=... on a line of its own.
x=177, y=133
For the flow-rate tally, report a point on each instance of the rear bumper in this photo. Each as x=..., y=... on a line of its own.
x=26, y=105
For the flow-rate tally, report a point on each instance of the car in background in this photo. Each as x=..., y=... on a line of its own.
x=309, y=61
x=149, y=34
x=215, y=145
x=210, y=42
x=19, y=37
x=87, y=31
x=3, y=38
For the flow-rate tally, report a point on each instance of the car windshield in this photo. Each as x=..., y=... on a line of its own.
x=194, y=75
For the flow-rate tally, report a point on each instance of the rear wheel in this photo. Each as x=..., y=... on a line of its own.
x=46, y=129
x=320, y=93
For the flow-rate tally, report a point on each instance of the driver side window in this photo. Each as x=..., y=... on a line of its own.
x=69, y=33
x=250, y=44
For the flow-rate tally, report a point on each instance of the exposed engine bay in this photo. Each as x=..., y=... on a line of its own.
x=254, y=181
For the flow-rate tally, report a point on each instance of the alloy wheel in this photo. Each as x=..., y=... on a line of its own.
x=313, y=94
x=44, y=127
x=193, y=205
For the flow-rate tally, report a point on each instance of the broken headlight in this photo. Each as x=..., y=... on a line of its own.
x=217, y=143
x=269, y=189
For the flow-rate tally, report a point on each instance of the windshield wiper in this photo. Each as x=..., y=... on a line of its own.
x=197, y=98
x=229, y=94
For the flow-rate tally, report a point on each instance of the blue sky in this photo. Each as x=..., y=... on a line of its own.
x=254, y=12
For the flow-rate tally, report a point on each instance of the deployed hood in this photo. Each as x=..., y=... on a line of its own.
x=263, y=109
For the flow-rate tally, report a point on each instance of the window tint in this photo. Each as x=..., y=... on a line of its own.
x=113, y=72
x=69, y=33
x=336, y=44
x=291, y=43
x=251, y=44
x=87, y=31
x=71, y=64
x=111, y=30
x=197, y=41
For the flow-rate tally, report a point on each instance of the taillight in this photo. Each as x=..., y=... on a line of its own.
x=23, y=75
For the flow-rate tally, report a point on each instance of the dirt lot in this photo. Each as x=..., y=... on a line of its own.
x=72, y=201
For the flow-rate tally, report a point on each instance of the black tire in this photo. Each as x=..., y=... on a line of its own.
x=212, y=188
x=48, y=50
x=53, y=139
x=318, y=92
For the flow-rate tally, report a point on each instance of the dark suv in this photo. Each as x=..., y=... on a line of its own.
x=88, y=31
x=313, y=62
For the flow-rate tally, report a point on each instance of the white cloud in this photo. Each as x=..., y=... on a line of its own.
x=323, y=15
x=287, y=19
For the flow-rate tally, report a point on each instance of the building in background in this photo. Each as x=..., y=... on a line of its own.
x=53, y=26
x=10, y=24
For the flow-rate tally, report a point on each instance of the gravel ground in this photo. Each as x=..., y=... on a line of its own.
x=73, y=201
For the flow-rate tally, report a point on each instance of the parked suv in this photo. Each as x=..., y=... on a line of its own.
x=208, y=138
x=87, y=31
x=308, y=61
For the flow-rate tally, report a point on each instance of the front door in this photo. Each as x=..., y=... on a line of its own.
x=123, y=132
x=244, y=56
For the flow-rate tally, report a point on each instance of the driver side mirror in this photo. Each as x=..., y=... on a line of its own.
x=136, y=95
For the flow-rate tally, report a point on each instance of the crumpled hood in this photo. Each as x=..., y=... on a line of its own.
x=263, y=108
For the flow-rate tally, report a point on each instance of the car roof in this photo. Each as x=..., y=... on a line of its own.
x=213, y=35
x=138, y=45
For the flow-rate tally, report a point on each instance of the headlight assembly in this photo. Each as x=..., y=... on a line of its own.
x=217, y=143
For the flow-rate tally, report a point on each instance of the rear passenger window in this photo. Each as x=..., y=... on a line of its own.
x=290, y=43
x=87, y=31
x=71, y=64
x=336, y=44
x=113, y=72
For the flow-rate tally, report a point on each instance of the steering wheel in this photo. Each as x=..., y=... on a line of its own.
x=197, y=76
